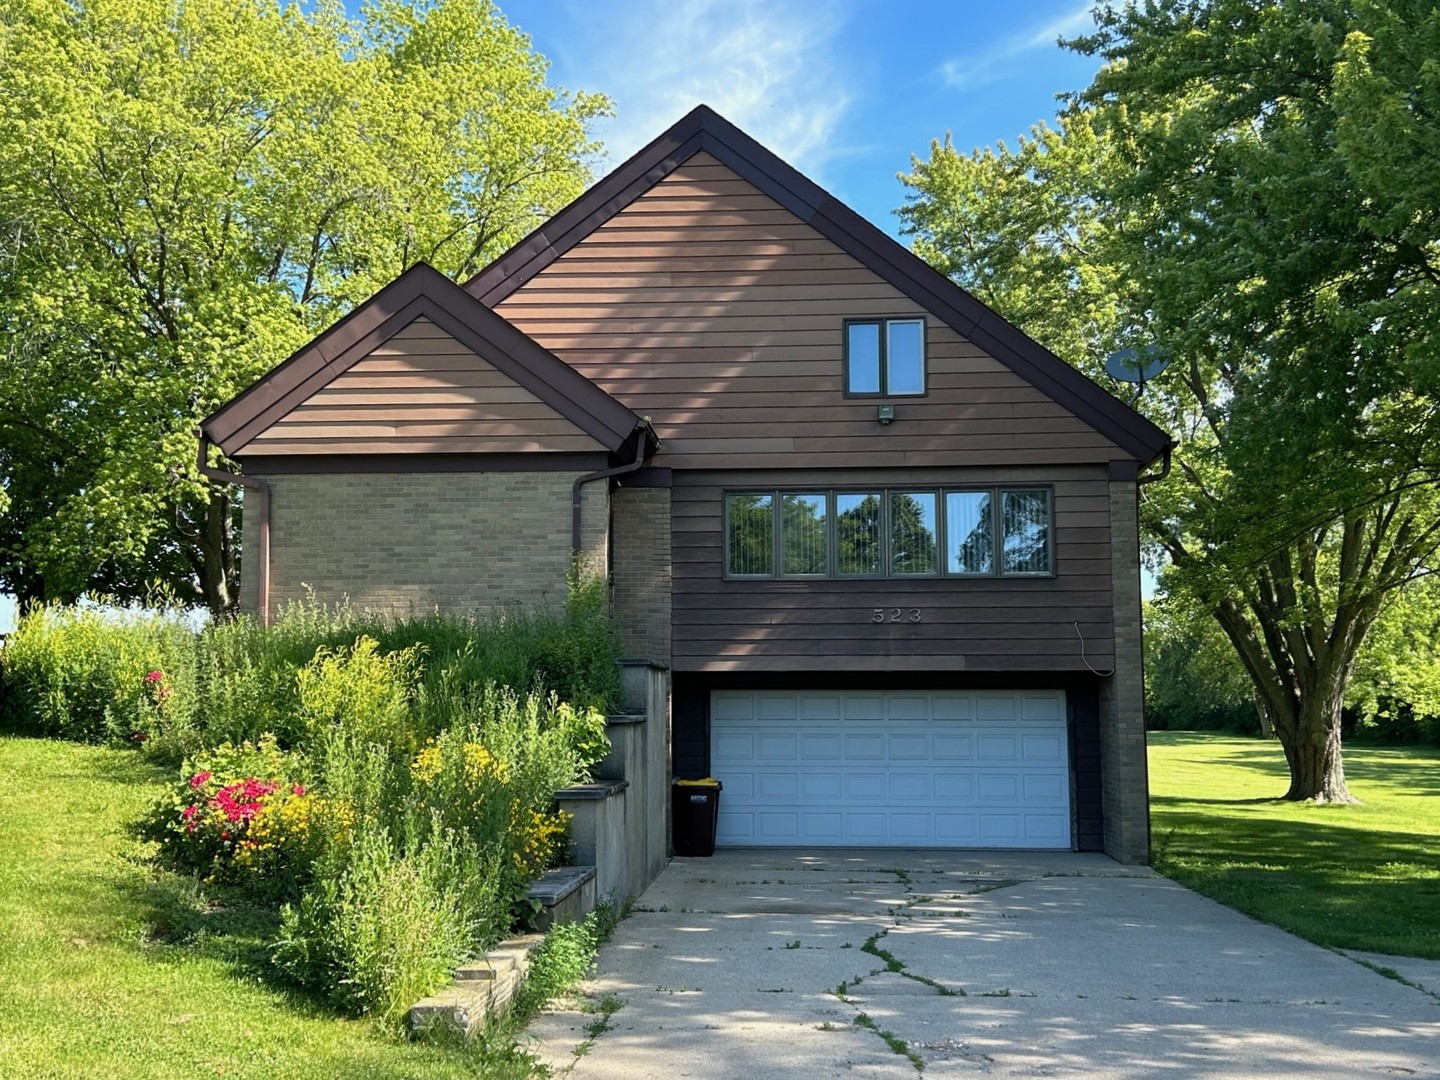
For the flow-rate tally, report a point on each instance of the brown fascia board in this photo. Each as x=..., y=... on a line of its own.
x=705, y=129
x=421, y=291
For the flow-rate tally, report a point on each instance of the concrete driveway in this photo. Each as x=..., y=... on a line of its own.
x=876, y=963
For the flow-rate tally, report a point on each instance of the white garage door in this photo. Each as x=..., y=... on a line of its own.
x=912, y=769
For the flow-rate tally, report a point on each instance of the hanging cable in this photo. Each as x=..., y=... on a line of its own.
x=1102, y=674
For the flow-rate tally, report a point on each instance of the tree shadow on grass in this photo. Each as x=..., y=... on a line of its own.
x=186, y=920
x=1340, y=885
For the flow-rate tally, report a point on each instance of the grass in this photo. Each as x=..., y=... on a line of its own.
x=1349, y=877
x=108, y=965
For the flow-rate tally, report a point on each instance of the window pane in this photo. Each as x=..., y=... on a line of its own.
x=1026, y=517
x=857, y=533
x=905, y=357
x=968, y=533
x=804, y=530
x=912, y=533
x=862, y=353
x=750, y=543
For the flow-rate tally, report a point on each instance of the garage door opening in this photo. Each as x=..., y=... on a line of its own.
x=971, y=769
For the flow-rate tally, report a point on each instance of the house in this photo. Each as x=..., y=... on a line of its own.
x=885, y=542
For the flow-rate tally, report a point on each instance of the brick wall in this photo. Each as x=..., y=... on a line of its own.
x=1122, y=696
x=640, y=571
x=410, y=543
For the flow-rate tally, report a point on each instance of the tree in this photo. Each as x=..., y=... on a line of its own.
x=1215, y=192
x=188, y=192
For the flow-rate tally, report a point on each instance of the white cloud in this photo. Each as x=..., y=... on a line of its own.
x=771, y=68
x=994, y=64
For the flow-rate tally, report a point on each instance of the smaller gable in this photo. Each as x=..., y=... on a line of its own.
x=422, y=367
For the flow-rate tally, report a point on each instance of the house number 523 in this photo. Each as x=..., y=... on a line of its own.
x=895, y=614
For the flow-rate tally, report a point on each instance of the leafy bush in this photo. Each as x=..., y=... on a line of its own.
x=80, y=673
x=241, y=814
x=392, y=781
x=383, y=927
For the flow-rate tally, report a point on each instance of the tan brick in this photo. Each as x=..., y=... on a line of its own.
x=411, y=543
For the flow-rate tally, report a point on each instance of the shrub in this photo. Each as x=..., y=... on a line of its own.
x=77, y=673
x=360, y=693
x=383, y=927
x=242, y=815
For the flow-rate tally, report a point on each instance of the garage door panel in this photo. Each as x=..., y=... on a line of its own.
x=865, y=747
x=997, y=748
x=776, y=747
x=915, y=768
x=784, y=786
x=908, y=708
x=1046, y=748
x=1042, y=787
x=822, y=786
x=909, y=786
x=820, y=747
x=736, y=746
x=911, y=829
x=955, y=789
x=867, y=786
x=909, y=747
x=866, y=828
x=954, y=747
x=952, y=707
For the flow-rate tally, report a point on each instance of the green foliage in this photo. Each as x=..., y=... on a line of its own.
x=398, y=798
x=361, y=692
x=1214, y=193
x=188, y=192
x=181, y=970
x=1193, y=679
x=386, y=927
x=81, y=673
x=563, y=960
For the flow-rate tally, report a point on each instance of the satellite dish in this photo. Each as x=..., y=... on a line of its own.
x=1136, y=365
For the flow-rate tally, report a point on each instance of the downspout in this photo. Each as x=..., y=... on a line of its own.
x=1164, y=470
x=262, y=489
x=641, y=433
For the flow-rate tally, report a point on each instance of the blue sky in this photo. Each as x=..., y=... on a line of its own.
x=845, y=90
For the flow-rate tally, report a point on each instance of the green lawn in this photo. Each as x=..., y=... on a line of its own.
x=110, y=969
x=1352, y=877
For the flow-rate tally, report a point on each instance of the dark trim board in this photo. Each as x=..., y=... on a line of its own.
x=690, y=722
x=704, y=129
x=330, y=464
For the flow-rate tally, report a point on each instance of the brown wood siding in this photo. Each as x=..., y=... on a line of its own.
x=711, y=309
x=969, y=624
x=423, y=392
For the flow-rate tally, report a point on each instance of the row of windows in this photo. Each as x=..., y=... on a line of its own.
x=888, y=533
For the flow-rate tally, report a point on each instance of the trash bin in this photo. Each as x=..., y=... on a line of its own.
x=695, y=807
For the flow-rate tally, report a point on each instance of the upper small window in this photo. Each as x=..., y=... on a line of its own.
x=885, y=357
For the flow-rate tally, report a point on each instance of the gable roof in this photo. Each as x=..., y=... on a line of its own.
x=703, y=129
x=422, y=292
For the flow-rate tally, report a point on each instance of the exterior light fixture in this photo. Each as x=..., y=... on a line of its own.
x=885, y=413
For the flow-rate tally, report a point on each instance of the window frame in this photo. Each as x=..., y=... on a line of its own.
x=886, y=493
x=883, y=322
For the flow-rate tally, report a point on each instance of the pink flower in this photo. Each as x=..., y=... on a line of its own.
x=190, y=828
x=155, y=676
x=199, y=779
x=189, y=812
x=299, y=789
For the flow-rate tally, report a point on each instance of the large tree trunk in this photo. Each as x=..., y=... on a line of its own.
x=1312, y=748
